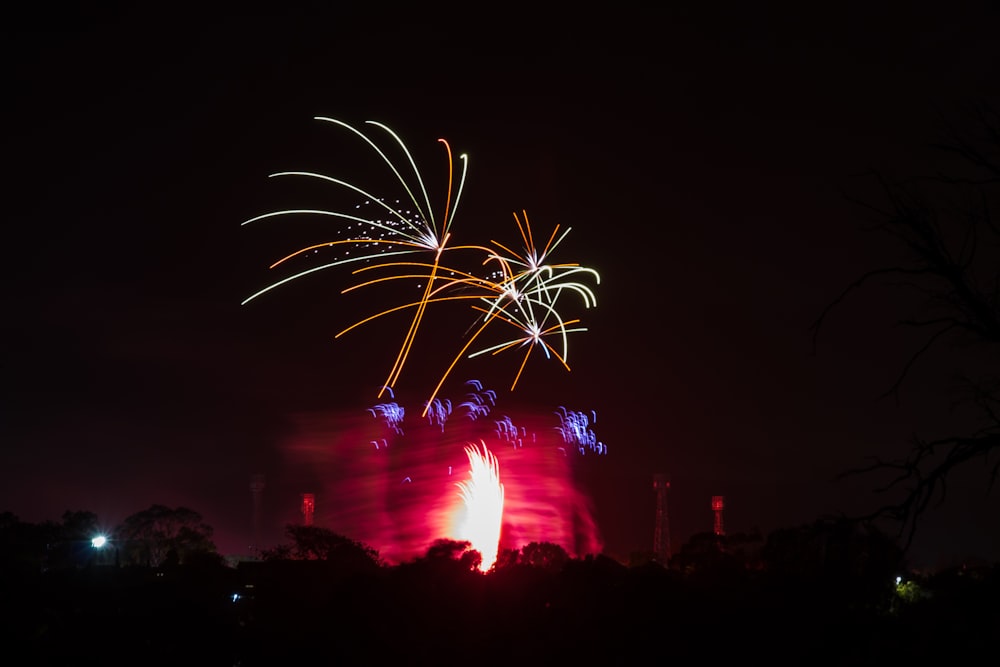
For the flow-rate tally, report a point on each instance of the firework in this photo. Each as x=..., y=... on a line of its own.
x=403, y=232
x=391, y=413
x=438, y=411
x=575, y=429
x=522, y=290
x=525, y=298
x=393, y=486
x=514, y=301
x=483, y=496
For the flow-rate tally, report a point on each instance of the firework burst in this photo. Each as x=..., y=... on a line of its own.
x=520, y=293
x=402, y=232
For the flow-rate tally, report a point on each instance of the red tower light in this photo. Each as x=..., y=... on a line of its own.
x=308, y=507
x=717, y=506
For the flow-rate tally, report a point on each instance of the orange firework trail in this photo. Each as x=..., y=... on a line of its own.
x=522, y=292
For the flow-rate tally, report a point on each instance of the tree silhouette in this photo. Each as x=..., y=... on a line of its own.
x=546, y=555
x=161, y=535
x=446, y=551
x=28, y=547
x=945, y=224
x=318, y=543
x=832, y=566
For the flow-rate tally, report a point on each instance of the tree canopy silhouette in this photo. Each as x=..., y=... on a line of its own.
x=945, y=224
x=162, y=535
x=323, y=544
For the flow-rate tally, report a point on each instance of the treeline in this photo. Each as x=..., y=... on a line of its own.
x=149, y=537
x=825, y=593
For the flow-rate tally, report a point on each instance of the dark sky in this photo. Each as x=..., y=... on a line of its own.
x=701, y=160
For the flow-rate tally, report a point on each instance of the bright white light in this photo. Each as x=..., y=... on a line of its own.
x=98, y=541
x=483, y=495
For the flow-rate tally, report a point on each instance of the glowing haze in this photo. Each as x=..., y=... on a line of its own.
x=398, y=481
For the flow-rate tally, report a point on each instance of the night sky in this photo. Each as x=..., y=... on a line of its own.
x=700, y=159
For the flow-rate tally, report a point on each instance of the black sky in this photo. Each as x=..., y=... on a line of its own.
x=700, y=158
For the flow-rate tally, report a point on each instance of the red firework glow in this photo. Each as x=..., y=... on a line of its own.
x=397, y=481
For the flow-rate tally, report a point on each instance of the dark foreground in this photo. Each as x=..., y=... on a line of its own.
x=590, y=612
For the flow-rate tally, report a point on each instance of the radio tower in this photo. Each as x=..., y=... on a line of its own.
x=308, y=507
x=257, y=491
x=661, y=533
x=717, y=505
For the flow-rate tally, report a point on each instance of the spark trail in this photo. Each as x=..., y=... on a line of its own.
x=409, y=243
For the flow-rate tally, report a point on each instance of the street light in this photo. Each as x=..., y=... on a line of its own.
x=99, y=542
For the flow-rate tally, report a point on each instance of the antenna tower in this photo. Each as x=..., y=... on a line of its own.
x=661, y=532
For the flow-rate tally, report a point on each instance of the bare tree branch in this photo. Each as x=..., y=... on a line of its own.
x=815, y=326
x=952, y=245
x=894, y=389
